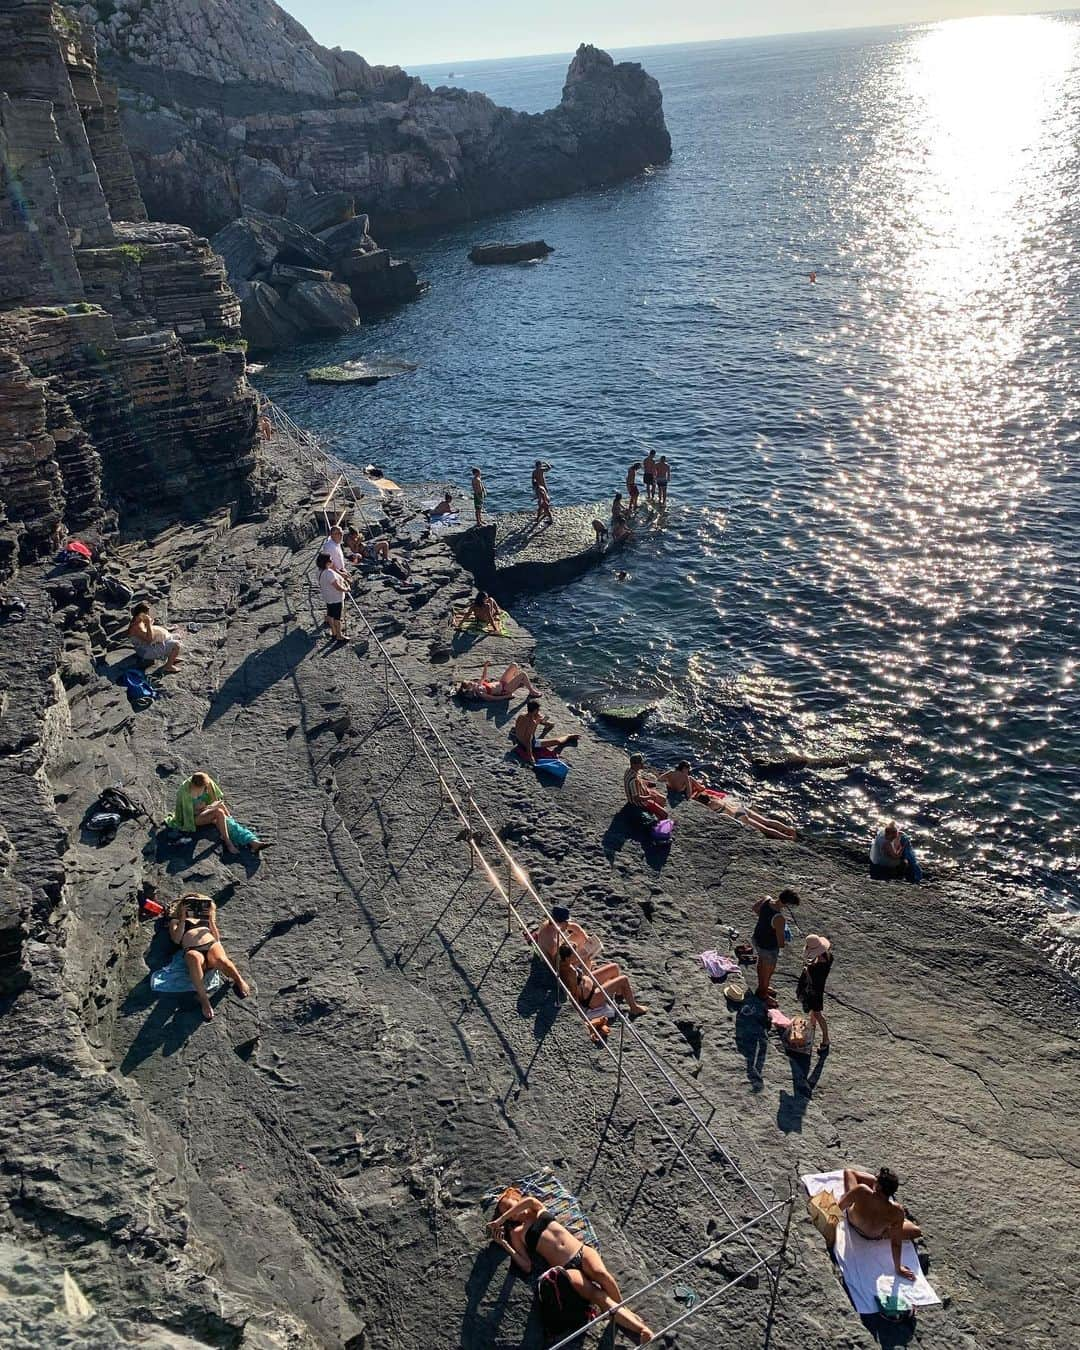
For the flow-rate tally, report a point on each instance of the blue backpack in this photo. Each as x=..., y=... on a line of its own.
x=139, y=689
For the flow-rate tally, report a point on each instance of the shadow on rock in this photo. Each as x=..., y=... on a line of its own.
x=538, y=998
x=172, y=1019
x=793, y=1105
x=627, y=826
x=752, y=1041
x=888, y=1334
x=259, y=670
x=485, y=1310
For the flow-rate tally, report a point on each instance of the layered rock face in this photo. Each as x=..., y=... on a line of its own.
x=120, y=374
x=230, y=104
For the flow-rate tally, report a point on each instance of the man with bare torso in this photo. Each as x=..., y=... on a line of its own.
x=874, y=1214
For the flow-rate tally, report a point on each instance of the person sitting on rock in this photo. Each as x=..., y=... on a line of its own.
x=483, y=612
x=641, y=791
x=512, y=679
x=375, y=550
x=531, y=1233
x=530, y=729
x=443, y=508
x=559, y=930
x=891, y=856
x=595, y=991
x=601, y=532
x=150, y=641
x=352, y=545
x=874, y=1214
x=194, y=928
x=200, y=802
x=680, y=779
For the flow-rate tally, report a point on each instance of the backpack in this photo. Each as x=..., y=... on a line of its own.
x=74, y=552
x=562, y=1309
x=800, y=1036
x=104, y=824
x=140, y=691
x=116, y=801
x=12, y=609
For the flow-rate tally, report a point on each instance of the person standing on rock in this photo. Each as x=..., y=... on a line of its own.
x=769, y=938
x=631, y=485
x=332, y=546
x=479, y=492
x=539, y=478
x=663, y=478
x=333, y=587
x=648, y=472
x=817, y=962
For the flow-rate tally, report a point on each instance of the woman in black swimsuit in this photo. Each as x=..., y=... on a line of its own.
x=193, y=927
x=595, y=990
x=530, y=1233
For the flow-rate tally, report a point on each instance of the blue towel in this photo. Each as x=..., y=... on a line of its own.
x=547, y=1187
x=239, y=834
x=174, y=978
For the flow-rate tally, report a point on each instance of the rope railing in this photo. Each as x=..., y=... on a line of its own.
x=457, y=791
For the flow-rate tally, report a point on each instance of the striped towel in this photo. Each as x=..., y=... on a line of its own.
x=548, y=1189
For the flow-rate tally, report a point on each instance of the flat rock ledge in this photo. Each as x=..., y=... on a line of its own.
x=306, y=1172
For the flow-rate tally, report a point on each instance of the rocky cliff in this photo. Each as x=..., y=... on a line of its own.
x=121, y=378
x=233, y=104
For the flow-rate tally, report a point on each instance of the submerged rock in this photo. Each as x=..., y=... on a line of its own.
x=628, y=716
x=359, y=372
x=510, y=253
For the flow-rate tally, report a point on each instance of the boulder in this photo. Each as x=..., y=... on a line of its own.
x=321, y=210
x=375, y=279
x=262, y=185
x=255, y=241
x=360, y=371
x=350, y=235
x=323, y=306
x=284, y=275
x=361, y=264
x=510, y=253
x=266, y=321
x=628, y=717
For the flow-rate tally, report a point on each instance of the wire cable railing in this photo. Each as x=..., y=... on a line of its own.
x=506, y=875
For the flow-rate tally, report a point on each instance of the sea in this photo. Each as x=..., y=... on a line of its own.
x=848, y=312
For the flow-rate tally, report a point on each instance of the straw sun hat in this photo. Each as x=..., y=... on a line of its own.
x=816, y=946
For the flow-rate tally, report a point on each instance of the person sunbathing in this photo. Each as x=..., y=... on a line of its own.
x=874, y=1214
x=594, y=994
x=199, y=802
x=483, y=612
x=531, y=1233
x=443, y=508
x=509, y=682
x=150, y=641
x=641, y=791
x=558, y=930
x=530, y=729
x=194, y=928
x=680, y=779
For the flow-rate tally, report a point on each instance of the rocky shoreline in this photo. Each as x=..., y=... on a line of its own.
x=307, y=1170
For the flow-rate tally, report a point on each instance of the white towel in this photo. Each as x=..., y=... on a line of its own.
x=867, y=1267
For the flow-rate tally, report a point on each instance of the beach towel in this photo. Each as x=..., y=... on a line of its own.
x=174, y=978
x=778, y=1020
x=566, y=1207
x=867, y=1267
x=719, y=967
x=474, y=625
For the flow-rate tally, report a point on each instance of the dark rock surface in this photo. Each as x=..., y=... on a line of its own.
x=510, y=253
x=228, y=106
x=306, y=1170
x=515, y=555
x=323, y=306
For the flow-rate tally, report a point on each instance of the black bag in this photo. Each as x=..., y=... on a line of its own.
x=115, y=800
x=116, y=591
x=104, y=824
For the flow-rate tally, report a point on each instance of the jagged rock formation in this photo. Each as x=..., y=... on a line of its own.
x=120, y=373
x=293, y=283
x=230, y=104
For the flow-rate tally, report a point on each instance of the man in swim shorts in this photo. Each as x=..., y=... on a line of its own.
x=479, y=492
x=631, y=486
x=648, y=472
x=529, y=730
x=874, y=1214
x=641, y=791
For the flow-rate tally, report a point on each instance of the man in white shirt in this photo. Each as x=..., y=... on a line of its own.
x=331, y=546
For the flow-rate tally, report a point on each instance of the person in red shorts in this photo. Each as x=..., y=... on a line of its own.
x=641, y=791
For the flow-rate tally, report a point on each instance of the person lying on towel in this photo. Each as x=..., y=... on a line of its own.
x=531, y=1234
x=874, y=1214
x=680, y=779
x=509, y=682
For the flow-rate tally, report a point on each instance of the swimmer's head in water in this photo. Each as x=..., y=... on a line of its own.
x=888, y=1182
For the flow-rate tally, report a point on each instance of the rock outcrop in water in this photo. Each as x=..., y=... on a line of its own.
x=121, y=378
x=229, y=105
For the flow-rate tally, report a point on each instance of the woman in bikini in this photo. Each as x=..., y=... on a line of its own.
x=484, y=612
x=529, y=1232
x=595, y=990
x=195, y=931
x=679, y=779
x=512, y=679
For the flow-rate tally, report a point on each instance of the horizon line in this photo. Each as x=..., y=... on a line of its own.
x=744, y=37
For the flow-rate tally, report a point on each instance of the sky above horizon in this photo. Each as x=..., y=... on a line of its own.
x=423, y=32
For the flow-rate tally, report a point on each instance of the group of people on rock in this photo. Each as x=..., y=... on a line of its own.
x=341, y=551
x=644, y=793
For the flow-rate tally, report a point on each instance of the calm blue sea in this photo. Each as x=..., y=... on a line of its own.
x=871, y=547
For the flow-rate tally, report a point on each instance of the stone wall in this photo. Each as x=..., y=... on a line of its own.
x=121, y=375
